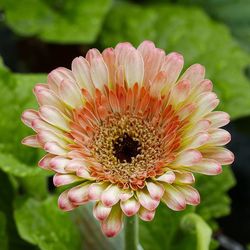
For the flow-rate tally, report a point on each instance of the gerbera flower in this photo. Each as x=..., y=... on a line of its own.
x=128, y=131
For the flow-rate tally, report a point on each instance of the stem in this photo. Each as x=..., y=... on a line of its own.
x=131, y=233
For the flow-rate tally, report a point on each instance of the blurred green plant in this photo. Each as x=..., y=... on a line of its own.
x=59, y=21
x=37, y=223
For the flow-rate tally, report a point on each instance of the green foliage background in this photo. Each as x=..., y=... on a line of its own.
x=209, y=32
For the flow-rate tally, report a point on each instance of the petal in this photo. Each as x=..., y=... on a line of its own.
x=70, y=93
x=167, y=177
x=28, y=116
x=158, y=83
x=101, y=212
x=48, y=97
x=134, y=68
x=109, y=59
x=146, y=200
x=83, y=173
x=113, y=224
x=172, y=65
x=205, y=103
x=45, y=136
x=54, y=148
x=195, y=74
x=130, y=207
x=31, y=141
x=155, y=190
x=197, y=140
x=79, y=194
x=146, y=215
x=54, y=117
x=96, y=189
x=218, y=119
x=45, y=161
x=111, y=195
x=173, y=198
x=187, y=158
x=64, y=179
x=184, y=177
x=99, y=73
x=64, y=202
x=56, y=76
x=191, y=195
x=58, y=164
x=206, y=166
x=180, y=91
x=126, y=194
x=219, y=137
x=153, y=59
x=81, y=71
x=222, y=155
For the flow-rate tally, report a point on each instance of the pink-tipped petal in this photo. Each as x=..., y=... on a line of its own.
x=206, y=102
x=188, y=158
x=218, y=119
x=222, y=155
x=219, y=137
x=155, y=190
x=47, y=97
x=173, y=198
x=111, y=195
x=79, y=194
x=64, y=179
x=101, y=212
x=96, y=189
x=191, y=195
x=83, y=173
x=134, y=68
x=58, y=164
x=113, y=224
x=31, y=141
x=45, y=161
x=70, y=93
x=28, y=116
x=99, y=73
x=181, y=91
x=195, y=74
x=206, y=166
x=126, y=194
x=56, y=76
x=168, y=177
x=54, y=117
x=184, y=177
x=64, y=203
x=172, y=65
x=130, y=207
x=146, y=215
x=54, y=148
x=146, y=200
x=81, y=71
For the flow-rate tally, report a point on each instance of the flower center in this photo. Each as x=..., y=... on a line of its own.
x=126, y=148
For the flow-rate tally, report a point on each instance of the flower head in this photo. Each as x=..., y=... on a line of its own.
x=128, y=131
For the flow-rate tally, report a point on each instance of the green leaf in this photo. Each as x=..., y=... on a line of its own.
x=194, y=35
x=42, y=223
x=233, y=13
x=215, y=202
x=7, y=194
x=165, y=231
x=193, y=222
x=12, y=166
x=3, y=233
x=58, y=21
